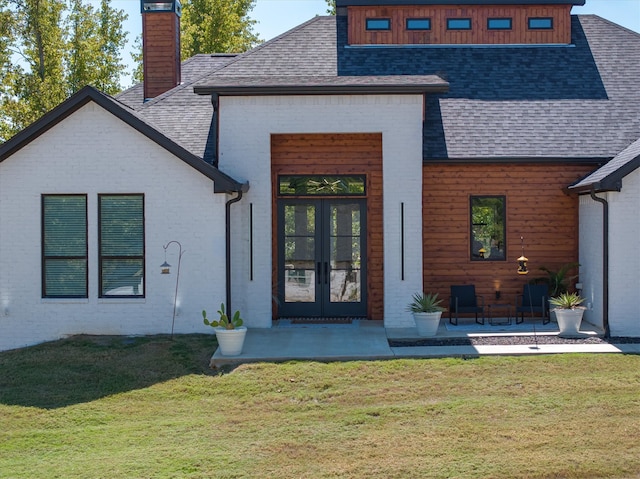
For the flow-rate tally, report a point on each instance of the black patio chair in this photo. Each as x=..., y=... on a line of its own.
x=464, y=300
x=533, y=300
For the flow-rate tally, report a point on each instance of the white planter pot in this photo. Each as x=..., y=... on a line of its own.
x=231, y=340
x=427, y=323
x=569, y=321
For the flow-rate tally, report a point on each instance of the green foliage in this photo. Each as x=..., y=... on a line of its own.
x=425, y=303
x=50, y=50
x=217, y=26
x=557, y=281
x=566, y=301
x=224, y=321
x=332, y=7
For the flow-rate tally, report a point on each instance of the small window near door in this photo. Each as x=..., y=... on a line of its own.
x=488, y=228
x=298, y=185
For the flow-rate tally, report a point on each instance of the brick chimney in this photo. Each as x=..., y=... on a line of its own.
x=160, y=45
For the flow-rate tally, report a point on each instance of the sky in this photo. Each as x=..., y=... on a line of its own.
x=277, y=16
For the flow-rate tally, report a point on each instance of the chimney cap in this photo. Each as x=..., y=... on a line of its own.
x=152, y=6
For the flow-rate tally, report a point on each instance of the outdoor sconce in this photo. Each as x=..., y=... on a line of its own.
x=165, y=269
x=496, y=285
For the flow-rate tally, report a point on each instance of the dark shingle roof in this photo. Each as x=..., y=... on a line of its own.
x=190, y=70
x=179, y=113
x=304, y=60
x=579, y=101
x=506, y=102
x=574, y=101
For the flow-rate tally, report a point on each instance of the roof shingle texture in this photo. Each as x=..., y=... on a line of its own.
x=564, y=101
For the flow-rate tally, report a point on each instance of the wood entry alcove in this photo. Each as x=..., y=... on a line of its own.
x=336, y=154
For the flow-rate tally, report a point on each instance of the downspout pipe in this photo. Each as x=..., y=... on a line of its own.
x=227, y=222
x=605, y=261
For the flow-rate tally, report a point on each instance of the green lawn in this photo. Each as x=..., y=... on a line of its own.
x=151, y=408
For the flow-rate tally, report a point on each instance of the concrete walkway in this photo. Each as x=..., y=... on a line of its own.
x=367, y=340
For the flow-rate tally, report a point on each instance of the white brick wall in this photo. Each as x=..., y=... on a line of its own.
x=245, y=129
x=93, y=152
x=624, y=257
x=591, y=258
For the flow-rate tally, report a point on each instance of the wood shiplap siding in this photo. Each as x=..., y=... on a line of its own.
x=337, y=154
x=479, y=34
x=536, y=209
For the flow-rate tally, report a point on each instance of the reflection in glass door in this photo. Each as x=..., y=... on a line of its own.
x=321, y=257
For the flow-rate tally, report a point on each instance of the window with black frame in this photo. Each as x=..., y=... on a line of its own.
x=64, y=246
x=121, y=245
x=488, y=228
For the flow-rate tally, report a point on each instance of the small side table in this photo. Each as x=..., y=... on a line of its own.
x=499, y=309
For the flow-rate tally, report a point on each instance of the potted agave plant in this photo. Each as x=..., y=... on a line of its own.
x=426, y=311
x=568, y=313
x=230, y=332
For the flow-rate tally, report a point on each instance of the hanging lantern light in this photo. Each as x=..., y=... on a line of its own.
x=522, y=260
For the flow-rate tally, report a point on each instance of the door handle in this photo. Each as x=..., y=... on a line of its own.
x=326, y=272
x=319, y=270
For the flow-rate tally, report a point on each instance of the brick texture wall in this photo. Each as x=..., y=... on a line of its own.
x=93, y=152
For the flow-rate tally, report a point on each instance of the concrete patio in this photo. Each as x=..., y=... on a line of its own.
x=369, y=340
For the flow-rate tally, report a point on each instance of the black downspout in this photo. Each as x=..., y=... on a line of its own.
x=605, y=261
x=228, y=247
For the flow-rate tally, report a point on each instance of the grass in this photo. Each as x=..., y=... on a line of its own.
x=150, y=408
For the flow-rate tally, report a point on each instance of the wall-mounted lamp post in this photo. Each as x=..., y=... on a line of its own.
x=165, y=268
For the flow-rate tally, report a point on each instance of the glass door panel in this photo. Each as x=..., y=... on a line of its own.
x=321, y=263
x=344, y=253
x=300, y=253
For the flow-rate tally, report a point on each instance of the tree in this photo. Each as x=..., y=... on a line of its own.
x=217, y=26
x=332, y=7
x=50, y=51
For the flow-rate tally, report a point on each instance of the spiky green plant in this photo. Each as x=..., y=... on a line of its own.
x=425, y=303
x=566, y=301
x=224, y=321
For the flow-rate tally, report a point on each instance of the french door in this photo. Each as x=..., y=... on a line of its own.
x=322, y=257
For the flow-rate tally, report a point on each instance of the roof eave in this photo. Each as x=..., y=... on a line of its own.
x=272, y=90
x=222, y=182
x=611, y=182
